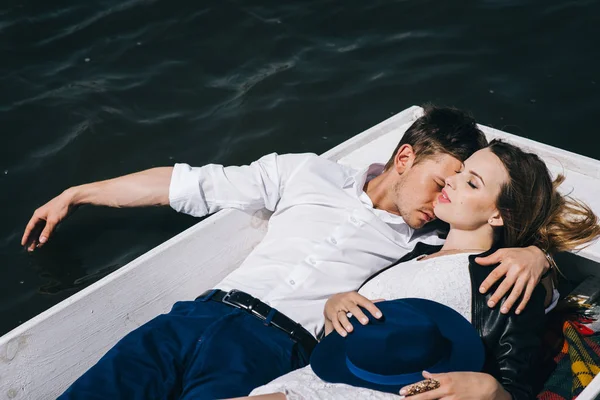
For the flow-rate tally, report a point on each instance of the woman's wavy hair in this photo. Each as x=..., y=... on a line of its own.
x=533, y=211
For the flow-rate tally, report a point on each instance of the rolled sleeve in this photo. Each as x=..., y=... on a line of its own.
x=199, y=191
x=184, y=194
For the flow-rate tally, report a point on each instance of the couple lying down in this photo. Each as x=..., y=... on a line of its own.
x=425, y=313
x=332, y=228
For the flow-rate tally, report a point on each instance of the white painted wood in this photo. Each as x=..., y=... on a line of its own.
x=42, y=357
x=592, y=392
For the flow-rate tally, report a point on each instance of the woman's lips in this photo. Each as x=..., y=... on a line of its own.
x=443, y=198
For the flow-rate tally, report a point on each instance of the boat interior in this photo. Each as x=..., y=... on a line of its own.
x=40, y=358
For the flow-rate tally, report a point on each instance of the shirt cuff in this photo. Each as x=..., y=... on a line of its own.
x=185, y=195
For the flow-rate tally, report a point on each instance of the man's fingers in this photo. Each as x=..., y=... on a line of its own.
x=493, y=277
x=516, y=292
x=50, y=225
x=504, y=287
x=528, y=292
x=32, y=241
x=491, y=259
x=28, y=229
x=33, y=222
x=32, y=245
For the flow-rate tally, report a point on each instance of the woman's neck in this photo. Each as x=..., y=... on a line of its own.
x=478, y=239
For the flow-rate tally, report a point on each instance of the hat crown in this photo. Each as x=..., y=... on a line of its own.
x=403, y=344
x=391, y=352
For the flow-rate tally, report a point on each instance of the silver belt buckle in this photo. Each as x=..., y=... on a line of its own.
x=243, y=306
x=228, y=295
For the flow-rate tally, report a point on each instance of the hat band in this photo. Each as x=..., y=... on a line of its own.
x=390, y=379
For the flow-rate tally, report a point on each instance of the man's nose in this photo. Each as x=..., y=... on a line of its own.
x=449, y=181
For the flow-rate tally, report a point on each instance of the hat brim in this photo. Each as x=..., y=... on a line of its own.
x=328, y=359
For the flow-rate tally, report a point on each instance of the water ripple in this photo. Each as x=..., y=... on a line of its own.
x=69, y=91
x=53, y=14
x=243, y=82
x=63, y=141
x=80, y=25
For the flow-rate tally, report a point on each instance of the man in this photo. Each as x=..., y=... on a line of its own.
x=332, y=228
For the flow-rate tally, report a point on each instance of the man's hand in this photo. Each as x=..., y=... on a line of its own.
x=140, y=189
x=340, y=304
x=461, y=386
x=523, y=268
x=47, y=217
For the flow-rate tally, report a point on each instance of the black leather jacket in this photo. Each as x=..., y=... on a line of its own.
x=511, y=341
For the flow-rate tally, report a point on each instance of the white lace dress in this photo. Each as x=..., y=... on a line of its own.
x=444, y=279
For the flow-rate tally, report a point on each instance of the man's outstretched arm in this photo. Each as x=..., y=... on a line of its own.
x=141, y=189
x=195, y=191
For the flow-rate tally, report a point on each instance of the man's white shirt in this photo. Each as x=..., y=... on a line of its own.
x=324, y=236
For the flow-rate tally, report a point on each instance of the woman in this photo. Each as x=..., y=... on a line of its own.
x=501, y=197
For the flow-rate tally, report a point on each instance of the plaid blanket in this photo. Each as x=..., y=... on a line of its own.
x=577, y=363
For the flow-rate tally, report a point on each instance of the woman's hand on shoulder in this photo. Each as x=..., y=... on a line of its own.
x=460, y=386
x=339, y=305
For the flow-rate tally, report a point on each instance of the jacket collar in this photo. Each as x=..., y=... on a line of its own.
x=486, y=253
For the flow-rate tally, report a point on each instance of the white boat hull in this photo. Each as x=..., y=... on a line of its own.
x=42, y=357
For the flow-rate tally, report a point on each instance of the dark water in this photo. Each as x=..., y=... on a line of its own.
x=90, y=90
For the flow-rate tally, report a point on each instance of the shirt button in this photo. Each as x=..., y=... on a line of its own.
x=333, y=241
x=353, y=220
x=311, y=261
x=292, y=282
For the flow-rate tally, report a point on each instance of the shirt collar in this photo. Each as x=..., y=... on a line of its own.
x=372, y=171
x=358, y=180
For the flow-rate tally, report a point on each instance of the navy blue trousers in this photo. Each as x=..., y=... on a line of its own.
x=199, y=350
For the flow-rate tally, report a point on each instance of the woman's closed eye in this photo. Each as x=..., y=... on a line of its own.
x=472, y=184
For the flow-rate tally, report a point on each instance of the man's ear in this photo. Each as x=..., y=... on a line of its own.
x=496, y=219
x=404, y=158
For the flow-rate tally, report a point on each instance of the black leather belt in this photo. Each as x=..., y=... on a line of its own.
x=262, y=311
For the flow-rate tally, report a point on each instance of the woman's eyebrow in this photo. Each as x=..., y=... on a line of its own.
x=477, y=175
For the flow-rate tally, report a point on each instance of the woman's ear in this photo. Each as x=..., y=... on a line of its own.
x=404, y=158
x=496, y=219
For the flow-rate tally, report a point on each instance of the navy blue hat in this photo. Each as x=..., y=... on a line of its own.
x=388, y=353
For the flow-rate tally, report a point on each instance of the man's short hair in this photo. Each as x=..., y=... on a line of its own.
x=442, y=130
